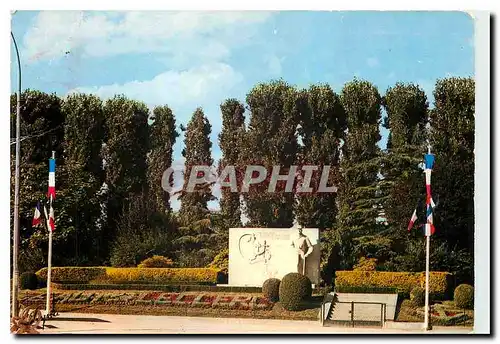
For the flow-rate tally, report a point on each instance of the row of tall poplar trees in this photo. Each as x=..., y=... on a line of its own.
x=112, y=154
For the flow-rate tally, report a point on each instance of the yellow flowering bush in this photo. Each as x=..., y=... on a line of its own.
x=130, y=275
x=403, y=281
x=73, y=274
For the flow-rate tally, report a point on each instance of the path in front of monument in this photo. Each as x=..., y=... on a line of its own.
x=79, y=323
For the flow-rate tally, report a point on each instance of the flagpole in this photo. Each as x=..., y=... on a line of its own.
x=49, y=263
x=49, y=260
x=427, y=259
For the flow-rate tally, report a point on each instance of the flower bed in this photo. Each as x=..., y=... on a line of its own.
x=200, y=300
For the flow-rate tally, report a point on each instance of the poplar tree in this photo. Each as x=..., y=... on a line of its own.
x=403, y=179
x=452, y=139
x=322, y=126
x=42, y=131
x=322, y=130
x=197, y=152
x=231, y=144
x=359, y=196
x=83, y=139
x=162, y=138
x=271, y=140
x=125, y=158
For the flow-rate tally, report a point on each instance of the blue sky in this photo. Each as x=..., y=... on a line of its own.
x=192, y=59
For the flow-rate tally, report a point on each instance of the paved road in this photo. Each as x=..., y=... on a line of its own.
x=80, y=323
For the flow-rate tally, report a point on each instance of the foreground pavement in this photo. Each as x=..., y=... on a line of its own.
x=83, y=323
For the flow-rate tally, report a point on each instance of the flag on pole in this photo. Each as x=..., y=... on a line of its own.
x=37, y=217
x=52, y=179
x=429, y=227
x=429, y=164
x=52, y=220
x=412, y=220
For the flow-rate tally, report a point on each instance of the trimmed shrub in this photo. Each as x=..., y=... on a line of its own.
x=28, y=280
x=464, y=296
x=271, y=289
x=293, y=290
x=73, y=274
x=417, y=296
x=404, y=282
x=440, y=284
x=161, y=275
x=156, y=262
x=130, y=275
x=366, y=290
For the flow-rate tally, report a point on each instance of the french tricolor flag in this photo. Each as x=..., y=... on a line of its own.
x=52, y=220
x=37, y=217
x=412, y=220
x=52, y=179
x=429, y=164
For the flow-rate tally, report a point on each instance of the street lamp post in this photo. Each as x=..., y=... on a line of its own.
x=15, y=278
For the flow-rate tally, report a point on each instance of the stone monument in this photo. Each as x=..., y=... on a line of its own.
x=304, y=248
x=256, y=254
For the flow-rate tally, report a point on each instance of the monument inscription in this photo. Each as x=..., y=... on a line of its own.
x=256, y=254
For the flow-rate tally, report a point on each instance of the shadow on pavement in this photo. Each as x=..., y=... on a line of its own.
x=78, y=319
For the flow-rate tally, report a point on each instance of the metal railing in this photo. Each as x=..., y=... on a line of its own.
x=352, y=313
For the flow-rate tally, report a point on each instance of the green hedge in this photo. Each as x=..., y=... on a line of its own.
x=404, y=282
x=109, y=275
x=366, y=290
x=73, y=274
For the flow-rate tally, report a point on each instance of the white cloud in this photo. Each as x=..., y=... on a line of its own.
x=113, y=33
x=180, y=89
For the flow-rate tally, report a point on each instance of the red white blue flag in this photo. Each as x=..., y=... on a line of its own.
x=52, y=179
x=429, y=164
x=37, y=217
x=412, y=220
x=52, y=220
x=51, y=194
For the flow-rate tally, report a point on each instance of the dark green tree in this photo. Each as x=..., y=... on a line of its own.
x=231, y=144
x=359, y=196
x=162, y=139
x=83, y=139
x=322, y=129
x=403, y=180
x=197, y=152
x=125, y=158
x=452, y=140
x=322, y=126
x=42, y=131
x=271, y=140
x=143, y=231
x=192, y=245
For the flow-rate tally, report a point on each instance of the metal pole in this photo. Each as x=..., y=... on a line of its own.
x=427, y=257
x=49, y=260
x=15, y=267
x=49, y=271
